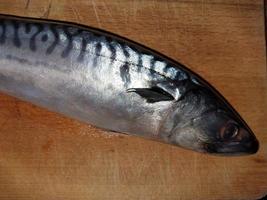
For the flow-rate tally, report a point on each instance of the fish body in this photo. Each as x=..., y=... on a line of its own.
x=116, y=84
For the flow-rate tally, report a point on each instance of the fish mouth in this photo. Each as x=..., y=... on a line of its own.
x=232, y=148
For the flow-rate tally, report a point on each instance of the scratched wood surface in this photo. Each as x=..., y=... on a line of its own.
x=44, y=155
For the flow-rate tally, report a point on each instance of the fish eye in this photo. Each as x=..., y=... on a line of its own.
x=229, y=131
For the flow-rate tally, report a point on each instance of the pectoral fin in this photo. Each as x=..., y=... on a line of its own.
x=166, y=91
x=153, y=94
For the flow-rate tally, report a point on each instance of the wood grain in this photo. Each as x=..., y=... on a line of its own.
x=44, y=155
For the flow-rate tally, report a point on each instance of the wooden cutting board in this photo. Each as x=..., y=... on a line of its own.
x=44, y=155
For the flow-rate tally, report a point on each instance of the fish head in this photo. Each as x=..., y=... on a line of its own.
x=205, y=122
x=222, y=133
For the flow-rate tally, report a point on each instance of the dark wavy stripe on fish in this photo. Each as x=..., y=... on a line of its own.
x=27, y=28
x=110, y=42
x=98, y=47
x=125, y=52
x=55, y=33
x=125, y=68
x=166, y=68
x=16, y=39
x=69, y=46
x=125, y=74
x=111, y=48
x=152, y=66
x=40, y=28
x=3, y=33
x=180, y=75
x=83, y=49
x=140, y=62
x=70, y=34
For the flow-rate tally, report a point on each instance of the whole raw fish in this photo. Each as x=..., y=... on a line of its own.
x=116, y=84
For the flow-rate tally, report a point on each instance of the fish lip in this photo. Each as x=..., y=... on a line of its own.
x=233, y=148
